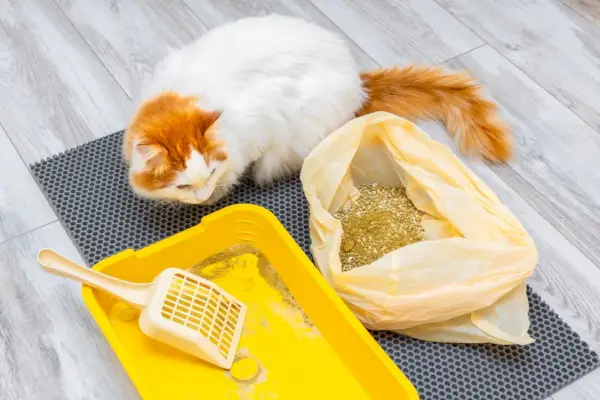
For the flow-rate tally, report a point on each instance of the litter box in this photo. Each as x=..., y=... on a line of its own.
x=161, y=372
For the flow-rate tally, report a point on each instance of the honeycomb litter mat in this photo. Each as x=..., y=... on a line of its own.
x=88, y=189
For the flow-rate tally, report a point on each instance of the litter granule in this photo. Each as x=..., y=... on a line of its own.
x=381, y=220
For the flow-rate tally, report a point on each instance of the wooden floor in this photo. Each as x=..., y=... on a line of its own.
x=68, y=70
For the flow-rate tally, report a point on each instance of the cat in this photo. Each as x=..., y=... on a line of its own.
x=265, y=91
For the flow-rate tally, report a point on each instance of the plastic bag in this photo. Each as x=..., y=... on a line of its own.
x=466, y=282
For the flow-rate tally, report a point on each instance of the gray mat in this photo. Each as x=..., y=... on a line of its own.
x=88, y=189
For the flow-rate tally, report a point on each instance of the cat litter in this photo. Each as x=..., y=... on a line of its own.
x=381, y=220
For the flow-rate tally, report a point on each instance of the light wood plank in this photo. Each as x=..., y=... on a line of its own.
x=556, y=167
x=588, y=9
x=54, y=92
x=554, y=45
x=217, y=12
x=401, y=31
x=51, y=347
x=587, y=388
x=131, y=36
x=22, y=205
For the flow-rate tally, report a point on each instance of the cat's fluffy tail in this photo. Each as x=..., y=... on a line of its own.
x=453, y=98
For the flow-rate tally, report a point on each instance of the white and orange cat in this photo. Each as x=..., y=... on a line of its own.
x=263, y=92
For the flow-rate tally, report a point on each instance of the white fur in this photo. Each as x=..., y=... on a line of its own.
x=282, y=85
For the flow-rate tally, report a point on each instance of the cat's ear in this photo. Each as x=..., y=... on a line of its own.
x=154, y=155
x=208, y=119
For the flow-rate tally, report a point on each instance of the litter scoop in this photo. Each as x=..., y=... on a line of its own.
x=180, y=309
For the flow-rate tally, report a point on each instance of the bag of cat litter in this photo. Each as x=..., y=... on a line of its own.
x=466, y=282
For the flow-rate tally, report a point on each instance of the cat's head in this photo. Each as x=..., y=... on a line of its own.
x=173, y=150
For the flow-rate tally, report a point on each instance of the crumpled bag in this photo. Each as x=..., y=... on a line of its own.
x=466, y=282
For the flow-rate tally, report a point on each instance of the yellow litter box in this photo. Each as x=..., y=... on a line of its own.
x=350, y=363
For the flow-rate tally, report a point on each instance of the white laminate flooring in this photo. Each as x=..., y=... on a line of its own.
x=69, y=70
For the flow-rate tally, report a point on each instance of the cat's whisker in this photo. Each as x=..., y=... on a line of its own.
x=153, y=207
x=171, y=204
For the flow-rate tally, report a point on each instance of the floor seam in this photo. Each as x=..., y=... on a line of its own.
x=463, y=53
x=345, y=34
x=91, y=49
x=20, y=235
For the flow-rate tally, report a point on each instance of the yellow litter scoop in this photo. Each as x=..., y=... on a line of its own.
x=180, y=309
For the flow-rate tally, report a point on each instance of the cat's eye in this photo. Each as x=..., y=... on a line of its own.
x=184, y=186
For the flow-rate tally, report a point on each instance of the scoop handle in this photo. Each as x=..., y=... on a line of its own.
x=136, y=294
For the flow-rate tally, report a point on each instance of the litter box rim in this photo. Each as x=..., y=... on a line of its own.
x=256, y=226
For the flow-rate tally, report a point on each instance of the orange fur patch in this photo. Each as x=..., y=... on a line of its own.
x=168, y=127
x=453, y=98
